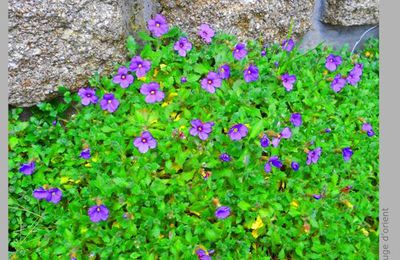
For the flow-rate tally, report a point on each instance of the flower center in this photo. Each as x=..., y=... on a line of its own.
x=89, y=95
x=53, y=194
x=248, y=72
x=109, y=101
x=222, y=70
x=209, y=81
x=152, y=92
x=157, y=25
x=235, y=130
x=123, y=77
x=237, y=50
x=199, y=128
x=98, y=209
x=181, y=45
x=140, y=65
x=144, y=140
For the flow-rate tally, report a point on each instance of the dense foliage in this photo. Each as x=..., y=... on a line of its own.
x=262, y=199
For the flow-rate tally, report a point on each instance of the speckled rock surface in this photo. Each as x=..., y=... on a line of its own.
x=63, y=42
x=350, y=12
x=248, y=19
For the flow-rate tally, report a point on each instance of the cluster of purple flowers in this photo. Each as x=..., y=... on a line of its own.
x=152, y=92
x=355, y=74
x=53, y=195
x=353, y=77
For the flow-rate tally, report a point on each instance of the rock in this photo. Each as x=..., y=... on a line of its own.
x=63, y=42
x=336, y=36
x=248, y=19
x=351, y=12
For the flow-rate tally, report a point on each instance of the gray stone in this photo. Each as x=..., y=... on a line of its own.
x=336, y=36
x=351, y=12
x=63, y=42
x=248, y=19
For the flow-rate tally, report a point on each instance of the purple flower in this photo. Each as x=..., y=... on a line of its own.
x=275, y=141
x=328, y=130
x=354, y=77
x=54, y=123
x=203, y=254
x=267, y=167
x=317, y=196
x=276, y=64
x=85, y=154
x=347, y=153
x=274, y=160
x=183, y=46
x=295, y=119
x=295, y=166
x=158, y=26
x=152, y=92
x=251, y=73
x=201, y=129
x=332, y=62
x=145, y=142
x=54, y=195
x=263, y=53
x=98, y=213
x=40, y=193
x=123, y=78
x=286, y=134
x=222, y=212
x=211, y=82
x=225, y=157
x=237, y=132
x=109, y=103
x=27, y=168
x=88, y=95
x=313, y=156
x=288, y=45
x=368, y=128
x=358, y=68
x=239, y=52
x=183, y=80
x=224, y=71
x=206, y=33
x=338, y=83
x=288, y=81
x=140, y=66
x=264, y=141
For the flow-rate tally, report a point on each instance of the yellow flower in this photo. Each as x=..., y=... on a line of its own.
x=365, y=232
x=348, y=204
x=142, y=78
x=258, y=223
x=254, y=233
x=294, y=204
x=163, y=66
x=64, y=180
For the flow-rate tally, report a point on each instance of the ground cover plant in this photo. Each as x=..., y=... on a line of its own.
x=203, y=148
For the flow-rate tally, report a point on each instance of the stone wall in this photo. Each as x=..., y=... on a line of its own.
x=63, y=42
